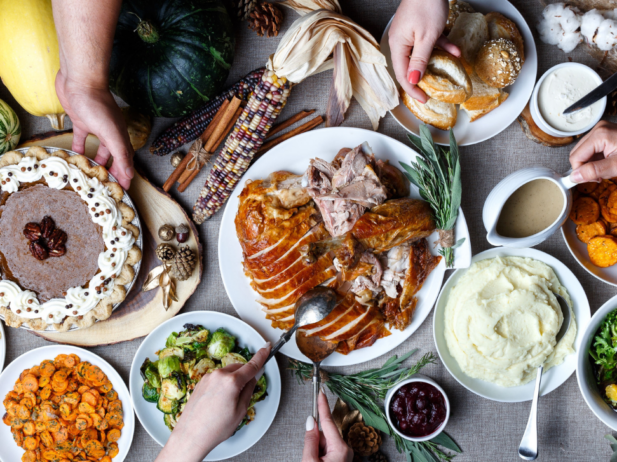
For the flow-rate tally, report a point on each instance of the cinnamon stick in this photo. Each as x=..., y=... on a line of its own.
x=190, y=173
x=296, y=131
x=188, y=180
x=289, y=122
x=214, y=122
x=230, y=110
x=204, y=137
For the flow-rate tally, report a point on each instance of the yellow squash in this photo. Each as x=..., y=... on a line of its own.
x=29, y=57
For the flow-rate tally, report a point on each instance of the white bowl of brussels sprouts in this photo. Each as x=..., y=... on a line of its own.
x=178, y=353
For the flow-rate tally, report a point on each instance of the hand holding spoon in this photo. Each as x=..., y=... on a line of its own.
x=528, y=449
x=312, y=307
x=316, y=350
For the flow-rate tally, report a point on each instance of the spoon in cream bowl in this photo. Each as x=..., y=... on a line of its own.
x=528, y=449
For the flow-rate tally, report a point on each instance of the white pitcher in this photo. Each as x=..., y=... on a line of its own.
x=505, y=188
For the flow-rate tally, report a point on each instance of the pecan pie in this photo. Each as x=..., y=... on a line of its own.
x=67, y=245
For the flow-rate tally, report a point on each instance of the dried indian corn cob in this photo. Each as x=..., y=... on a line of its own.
x=191, y=126
x=249, y=133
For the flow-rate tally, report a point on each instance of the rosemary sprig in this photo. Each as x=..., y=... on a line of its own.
x=438, y=176
x=364, y=390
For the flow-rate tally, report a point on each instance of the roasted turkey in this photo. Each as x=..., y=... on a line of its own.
x=348, y=225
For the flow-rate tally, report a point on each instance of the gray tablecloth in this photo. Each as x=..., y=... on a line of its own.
x=486, y=430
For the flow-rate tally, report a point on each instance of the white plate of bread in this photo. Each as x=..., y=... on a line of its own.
x=495, y=74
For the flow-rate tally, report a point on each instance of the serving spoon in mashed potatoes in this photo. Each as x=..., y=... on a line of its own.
x=528, y=449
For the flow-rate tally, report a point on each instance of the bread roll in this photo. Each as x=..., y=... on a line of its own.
x=501, y=27
x=469, y=33
x=476, y=114
x=482, y=95
x=433, y=112
x=445, y=79
x=498, y=63
x=456, y=7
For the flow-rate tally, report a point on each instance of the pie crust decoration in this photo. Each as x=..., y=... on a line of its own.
x=99, y=263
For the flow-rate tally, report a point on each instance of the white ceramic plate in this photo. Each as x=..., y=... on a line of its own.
x=294, y=155
x=584, y=372
x=9, y=452
x=499, y=119
x=551, y=379
x=152, y=419
x=2, y=346
x=578, y=250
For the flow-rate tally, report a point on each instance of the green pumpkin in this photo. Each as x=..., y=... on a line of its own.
x=171, y=56
x=10, y=129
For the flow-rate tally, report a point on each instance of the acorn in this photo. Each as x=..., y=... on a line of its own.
x=166, y=232
x=176, y=158
x=182, y=233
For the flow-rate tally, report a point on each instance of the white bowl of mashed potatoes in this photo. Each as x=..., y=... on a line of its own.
x=495, y=322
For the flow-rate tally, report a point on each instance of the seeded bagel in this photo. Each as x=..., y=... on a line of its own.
x=501, y=27
x=498, y=63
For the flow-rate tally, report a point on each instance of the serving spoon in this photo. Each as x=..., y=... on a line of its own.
x=528, y=449
x=316, y=350
x=312, y=307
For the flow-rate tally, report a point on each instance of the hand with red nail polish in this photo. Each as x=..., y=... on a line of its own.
x=595, y=156
x=417, y=28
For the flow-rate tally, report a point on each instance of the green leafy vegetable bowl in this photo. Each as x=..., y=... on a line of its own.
x=177, y=354
x=597, y=354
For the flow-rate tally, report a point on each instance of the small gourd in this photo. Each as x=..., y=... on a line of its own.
x=10, y=128
x=138, y=125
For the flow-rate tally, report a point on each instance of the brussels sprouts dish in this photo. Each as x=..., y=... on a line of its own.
x=186, y=358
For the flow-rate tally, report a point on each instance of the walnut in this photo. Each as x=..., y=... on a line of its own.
x=57, y=239
x=38, y=250
x=32, y=231
x=47, y=226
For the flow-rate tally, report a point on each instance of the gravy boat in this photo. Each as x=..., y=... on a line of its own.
x=505, y=188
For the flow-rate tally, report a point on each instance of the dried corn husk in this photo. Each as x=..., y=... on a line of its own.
x=303, y=7
x=323, y=40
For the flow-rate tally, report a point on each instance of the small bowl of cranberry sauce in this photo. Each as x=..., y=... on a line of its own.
x=417, y=408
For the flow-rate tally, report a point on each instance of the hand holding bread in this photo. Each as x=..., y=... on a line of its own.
x=416, y=29
x=491, y=57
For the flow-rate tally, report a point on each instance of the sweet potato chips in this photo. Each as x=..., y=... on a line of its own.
x=64, y=410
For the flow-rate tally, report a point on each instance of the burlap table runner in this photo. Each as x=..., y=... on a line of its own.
x=487, y=431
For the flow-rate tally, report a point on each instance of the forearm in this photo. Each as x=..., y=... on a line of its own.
x=85, y=31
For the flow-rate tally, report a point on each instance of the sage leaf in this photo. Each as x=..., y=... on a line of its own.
x=443, y=439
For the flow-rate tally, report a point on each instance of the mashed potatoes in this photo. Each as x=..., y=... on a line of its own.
x=502, y=318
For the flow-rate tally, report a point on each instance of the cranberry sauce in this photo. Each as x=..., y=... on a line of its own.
x=417, y=409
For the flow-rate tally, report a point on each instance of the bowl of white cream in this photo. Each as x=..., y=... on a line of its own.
x=560, y=87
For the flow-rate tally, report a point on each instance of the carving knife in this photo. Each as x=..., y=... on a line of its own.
x=594, y=95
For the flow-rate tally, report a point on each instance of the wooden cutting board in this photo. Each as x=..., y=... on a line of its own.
x=141, y=312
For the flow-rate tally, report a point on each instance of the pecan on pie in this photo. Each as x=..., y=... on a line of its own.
x=67, y=245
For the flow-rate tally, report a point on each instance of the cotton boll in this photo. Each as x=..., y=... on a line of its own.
x=609, y=14
x=569, y=42
x=550, y=31
x=590, y=22
x=606, y=37
x=560, y=25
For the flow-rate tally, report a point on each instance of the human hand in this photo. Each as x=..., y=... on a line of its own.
x=327, y=445
x=417, y=24
x=594, y=156
x=214, y=410
x=92, y=109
